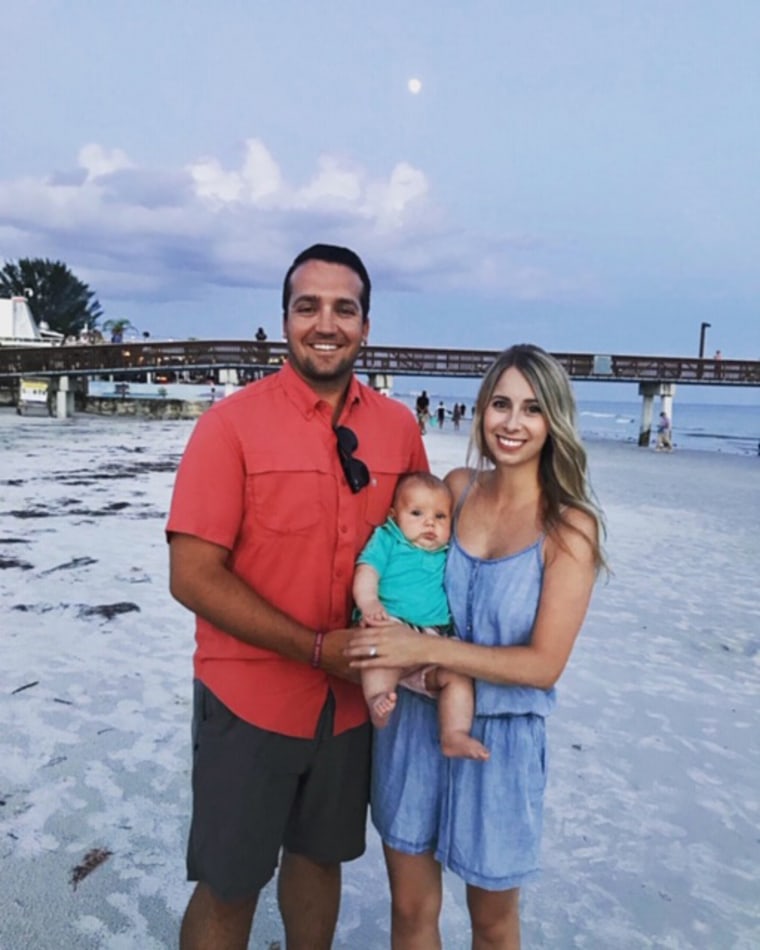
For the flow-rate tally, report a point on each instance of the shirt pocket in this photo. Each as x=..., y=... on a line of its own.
x=285, y=502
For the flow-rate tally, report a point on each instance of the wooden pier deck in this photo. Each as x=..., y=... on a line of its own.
x=175, y=359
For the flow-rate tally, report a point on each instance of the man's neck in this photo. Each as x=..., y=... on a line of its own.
x=333, y=392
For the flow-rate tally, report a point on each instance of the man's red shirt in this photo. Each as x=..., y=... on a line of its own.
x=261, y=476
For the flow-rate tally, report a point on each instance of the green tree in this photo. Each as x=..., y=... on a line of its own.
x=117, y=329
x=54, y=294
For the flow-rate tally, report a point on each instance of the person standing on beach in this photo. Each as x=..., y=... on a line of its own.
x=664, y=434
x=278, y=491
x=422, y=407
x=524, y=554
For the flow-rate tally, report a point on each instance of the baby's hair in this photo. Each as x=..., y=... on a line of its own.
x=422, y=478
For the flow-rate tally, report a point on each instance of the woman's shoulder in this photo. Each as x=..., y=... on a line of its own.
x=458, y=479
x=577, y=533
x=579, y=519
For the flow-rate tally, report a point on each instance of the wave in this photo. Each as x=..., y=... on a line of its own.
x=702, y=434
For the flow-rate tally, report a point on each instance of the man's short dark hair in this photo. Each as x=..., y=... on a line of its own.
x=330, y=254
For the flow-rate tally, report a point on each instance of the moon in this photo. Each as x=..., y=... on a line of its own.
x=414, y=86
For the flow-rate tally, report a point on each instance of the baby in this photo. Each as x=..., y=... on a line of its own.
x=399, y=576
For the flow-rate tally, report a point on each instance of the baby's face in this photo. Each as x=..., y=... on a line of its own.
x=424, y=515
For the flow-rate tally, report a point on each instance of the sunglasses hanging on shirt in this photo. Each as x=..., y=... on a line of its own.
x=356, y=472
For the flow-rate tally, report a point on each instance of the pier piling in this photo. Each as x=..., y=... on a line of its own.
x=648, y=391
x=64, y=398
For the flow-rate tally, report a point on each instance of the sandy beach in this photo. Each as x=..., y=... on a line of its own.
x=653, y=810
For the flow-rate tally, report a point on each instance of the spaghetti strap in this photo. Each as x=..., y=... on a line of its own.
x=462, y=498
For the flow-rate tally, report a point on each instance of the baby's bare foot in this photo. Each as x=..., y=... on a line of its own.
x=380, y=708
x=460, y=745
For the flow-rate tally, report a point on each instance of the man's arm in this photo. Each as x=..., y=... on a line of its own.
x=200, y=579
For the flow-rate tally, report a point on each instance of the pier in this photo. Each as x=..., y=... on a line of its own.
x=230, y=362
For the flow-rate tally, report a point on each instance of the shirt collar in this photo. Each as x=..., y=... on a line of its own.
x=308, y=401
x=393, y=529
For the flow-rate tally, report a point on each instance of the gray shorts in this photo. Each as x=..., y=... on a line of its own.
x=255, y=792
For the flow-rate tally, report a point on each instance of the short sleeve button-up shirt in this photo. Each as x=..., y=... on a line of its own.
x=261, y=477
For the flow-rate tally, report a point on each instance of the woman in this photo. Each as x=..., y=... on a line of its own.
x=522, y=563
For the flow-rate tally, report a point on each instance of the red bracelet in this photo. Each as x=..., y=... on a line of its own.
x=316, y=655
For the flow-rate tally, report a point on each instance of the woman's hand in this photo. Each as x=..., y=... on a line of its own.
x=395, y=645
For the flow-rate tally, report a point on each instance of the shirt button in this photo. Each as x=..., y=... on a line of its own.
x=343, y=528
x=339, y=573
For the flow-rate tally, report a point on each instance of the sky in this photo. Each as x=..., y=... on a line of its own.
x=579, y=175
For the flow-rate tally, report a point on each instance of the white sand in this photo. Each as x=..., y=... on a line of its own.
x=653, y=818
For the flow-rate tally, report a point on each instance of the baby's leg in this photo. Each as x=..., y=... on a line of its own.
x=379, y=688
x=456, y=710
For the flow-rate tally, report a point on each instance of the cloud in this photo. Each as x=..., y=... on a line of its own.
x=98, y=161
x=136, y=231
x=258, y=179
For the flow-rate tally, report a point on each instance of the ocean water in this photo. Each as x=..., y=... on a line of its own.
x=706, y=427
x=696, y=426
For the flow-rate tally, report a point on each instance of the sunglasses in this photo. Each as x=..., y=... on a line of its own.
x=356, y=472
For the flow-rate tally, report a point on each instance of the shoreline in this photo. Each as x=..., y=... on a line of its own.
x=188, y=411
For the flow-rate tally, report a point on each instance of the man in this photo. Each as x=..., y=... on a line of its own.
x=280, y=487
x=422, y=407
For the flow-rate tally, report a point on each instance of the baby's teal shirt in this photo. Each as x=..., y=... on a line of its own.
x=411, y=578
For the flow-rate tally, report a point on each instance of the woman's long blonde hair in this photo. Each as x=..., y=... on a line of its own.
x=562, y=467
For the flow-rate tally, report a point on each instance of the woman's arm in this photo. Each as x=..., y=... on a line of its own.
x=566, y=590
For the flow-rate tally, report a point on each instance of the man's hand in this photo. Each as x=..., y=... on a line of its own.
x=333, y=660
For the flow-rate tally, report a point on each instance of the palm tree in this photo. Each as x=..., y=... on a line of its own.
x=55, y=296
x=117, y=329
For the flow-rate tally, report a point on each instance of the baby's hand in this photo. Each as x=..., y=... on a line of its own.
x=374, y=614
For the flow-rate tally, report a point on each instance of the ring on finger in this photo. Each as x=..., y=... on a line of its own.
x=372, y=652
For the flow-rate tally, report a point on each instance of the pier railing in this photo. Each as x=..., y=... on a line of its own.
x=254, y=358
